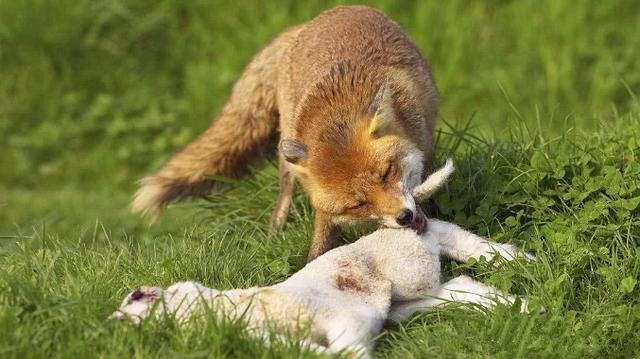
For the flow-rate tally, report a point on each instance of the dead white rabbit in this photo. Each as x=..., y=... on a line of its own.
x=345, y=295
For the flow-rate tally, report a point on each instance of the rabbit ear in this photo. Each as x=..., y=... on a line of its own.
x=434, y=181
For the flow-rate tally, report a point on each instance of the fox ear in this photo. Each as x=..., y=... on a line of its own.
x=294, y=152
x=383, y=121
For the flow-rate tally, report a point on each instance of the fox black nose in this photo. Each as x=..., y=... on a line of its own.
x=405, y=217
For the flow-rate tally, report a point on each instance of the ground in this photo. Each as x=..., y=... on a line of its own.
x=539, y=109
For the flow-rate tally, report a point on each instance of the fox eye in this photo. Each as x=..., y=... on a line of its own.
x=359, y=205
x=385, y=176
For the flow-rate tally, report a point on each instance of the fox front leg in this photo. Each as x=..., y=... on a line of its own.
x=324, y=235
x=287, y=186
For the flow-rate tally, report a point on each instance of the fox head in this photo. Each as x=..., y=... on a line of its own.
x=356, y=163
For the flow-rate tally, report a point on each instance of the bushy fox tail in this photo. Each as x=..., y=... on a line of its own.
x=247, y=123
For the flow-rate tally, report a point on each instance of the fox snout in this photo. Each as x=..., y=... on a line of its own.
x=405, y=217
x=415, y=220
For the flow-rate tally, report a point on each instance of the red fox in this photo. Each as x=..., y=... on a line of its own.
x=355, y=105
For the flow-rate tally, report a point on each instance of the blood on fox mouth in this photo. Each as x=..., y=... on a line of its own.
x=419, y=223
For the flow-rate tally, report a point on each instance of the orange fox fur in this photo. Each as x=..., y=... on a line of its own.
x=355, y=104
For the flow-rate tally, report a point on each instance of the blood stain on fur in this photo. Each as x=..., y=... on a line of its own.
x=348, y=283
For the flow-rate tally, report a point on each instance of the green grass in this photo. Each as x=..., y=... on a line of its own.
x=539, y=109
